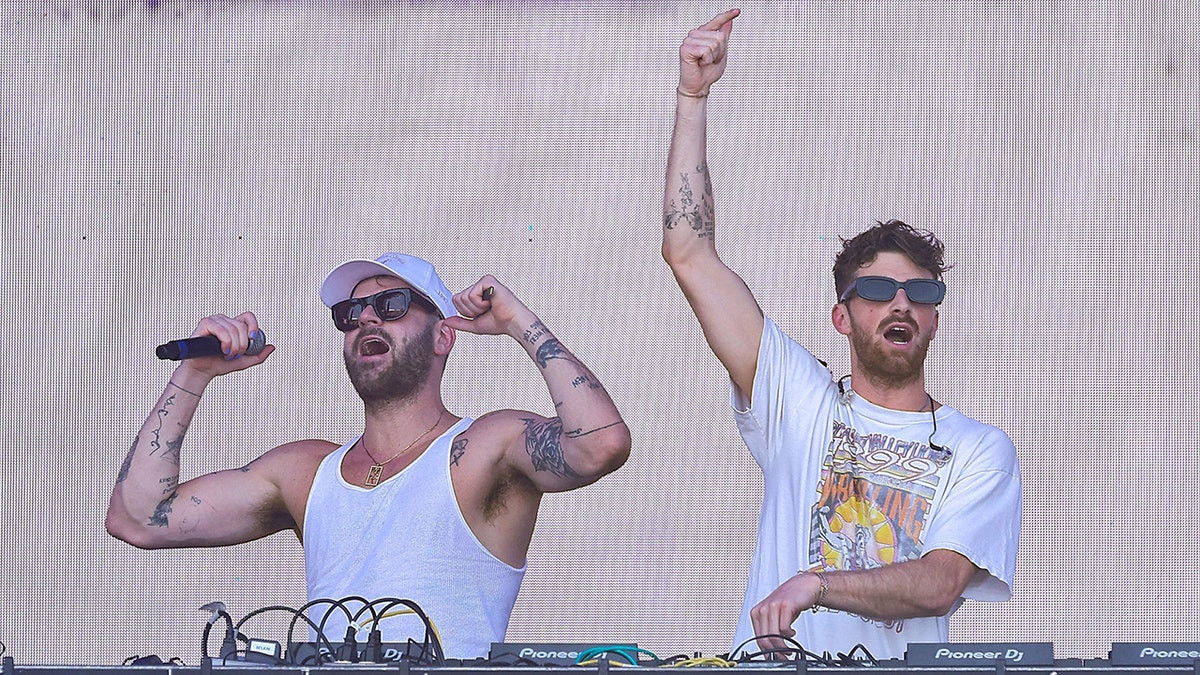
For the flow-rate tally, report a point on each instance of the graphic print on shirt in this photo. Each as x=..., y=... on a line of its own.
x=872, y=501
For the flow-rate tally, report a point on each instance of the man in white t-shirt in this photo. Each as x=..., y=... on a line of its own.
x=883, y=509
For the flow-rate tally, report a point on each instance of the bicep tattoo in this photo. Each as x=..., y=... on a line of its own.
x=543, y=442
x=576, y=433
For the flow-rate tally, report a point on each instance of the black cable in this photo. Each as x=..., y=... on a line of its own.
x=295, y=615
x=795, y=648
x=431, y=647
x=218, y=612
x=319, y=629
x=848, y=658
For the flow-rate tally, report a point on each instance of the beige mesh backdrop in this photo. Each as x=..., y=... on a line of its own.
x=163, y=161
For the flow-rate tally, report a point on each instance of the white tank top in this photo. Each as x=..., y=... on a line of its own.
x=406, y=538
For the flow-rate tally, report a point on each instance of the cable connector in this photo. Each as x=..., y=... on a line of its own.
x=349, y=649
x=374, y=650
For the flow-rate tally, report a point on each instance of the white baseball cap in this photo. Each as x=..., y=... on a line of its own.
x=417, y=273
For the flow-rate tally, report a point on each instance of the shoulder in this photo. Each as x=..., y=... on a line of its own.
x=987, y=445
x=292, y=460
x=502, y=427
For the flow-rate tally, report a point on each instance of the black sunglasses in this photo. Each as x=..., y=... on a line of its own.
x=389, y=305
x=883, y=289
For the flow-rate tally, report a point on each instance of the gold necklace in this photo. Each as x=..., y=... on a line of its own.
x=376, y=469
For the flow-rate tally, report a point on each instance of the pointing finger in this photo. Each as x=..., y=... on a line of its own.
x=723, y=21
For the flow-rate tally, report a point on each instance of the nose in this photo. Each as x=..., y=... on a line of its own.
x=368, y=315
x=901, y=303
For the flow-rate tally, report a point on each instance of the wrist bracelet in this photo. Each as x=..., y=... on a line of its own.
x=684, y=93
x=819, y=602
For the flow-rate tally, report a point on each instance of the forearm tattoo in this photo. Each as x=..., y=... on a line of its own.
x=543, y=442
x=552, y=349
x=549, y=350
x=697, y=215
x=457, y=450
x=159, y=518
x=171, y=452
x=535, y=332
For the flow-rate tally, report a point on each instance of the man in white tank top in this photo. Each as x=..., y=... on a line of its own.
x=479, y=483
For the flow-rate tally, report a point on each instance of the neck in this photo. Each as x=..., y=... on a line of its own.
x=909, y=395
x=394, y=425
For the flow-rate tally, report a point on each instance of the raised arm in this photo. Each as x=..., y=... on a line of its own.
x=729, y=316
x=588, y=438
x=149, y=507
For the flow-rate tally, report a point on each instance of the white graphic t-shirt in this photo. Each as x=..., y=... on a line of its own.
x=849, y=485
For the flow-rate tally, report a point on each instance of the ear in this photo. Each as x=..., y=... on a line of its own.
x=443, y=338
x=936, y=315
x=841, y=318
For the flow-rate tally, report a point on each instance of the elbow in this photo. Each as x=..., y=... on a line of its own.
x=608, y=452
x=672, y=254
x=940, y=606
x=942, y=600
x=122, y=527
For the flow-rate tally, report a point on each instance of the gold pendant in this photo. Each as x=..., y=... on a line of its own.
x=373, y=475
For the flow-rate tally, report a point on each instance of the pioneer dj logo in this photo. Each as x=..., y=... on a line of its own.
x=979, y=653
x=1008, y=655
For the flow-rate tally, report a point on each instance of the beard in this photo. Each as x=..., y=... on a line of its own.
x=890, y=368
x=398, y=380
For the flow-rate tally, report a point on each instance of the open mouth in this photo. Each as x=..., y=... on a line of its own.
x=898, y=334
x=373, y=346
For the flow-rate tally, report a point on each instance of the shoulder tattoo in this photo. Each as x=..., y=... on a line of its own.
x=457, y=450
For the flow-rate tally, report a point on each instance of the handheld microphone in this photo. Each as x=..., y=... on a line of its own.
x=206, y=345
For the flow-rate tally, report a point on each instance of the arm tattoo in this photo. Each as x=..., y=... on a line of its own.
x=552, y=349
x=699, y=217
x=549, y=350
x=544, y=445
x=586, y=379
x=171, y=482
x=171, y=453
x=535, y=332
x=580, y=432
x=161, y=412
x=124, y=472
x=159, y=518
x=457, y=450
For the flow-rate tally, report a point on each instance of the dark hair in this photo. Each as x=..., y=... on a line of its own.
x=921, y=246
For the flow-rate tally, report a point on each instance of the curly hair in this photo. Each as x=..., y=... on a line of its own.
x=921, y=246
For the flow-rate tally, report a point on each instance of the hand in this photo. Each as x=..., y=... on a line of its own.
x=702, y=54
x=776, y=613
x=234, y=334
x=487, y=308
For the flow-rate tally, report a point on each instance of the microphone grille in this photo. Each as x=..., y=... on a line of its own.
x=258, y=342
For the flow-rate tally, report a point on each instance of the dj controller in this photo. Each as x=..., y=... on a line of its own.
x=1036, y=658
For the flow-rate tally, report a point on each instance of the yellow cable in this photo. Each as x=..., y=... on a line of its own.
x=407, y=610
